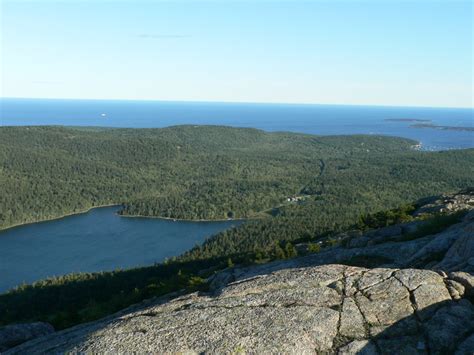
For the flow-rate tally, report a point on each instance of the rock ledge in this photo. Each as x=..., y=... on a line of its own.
x=330, y=308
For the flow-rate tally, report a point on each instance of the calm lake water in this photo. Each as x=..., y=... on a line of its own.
x=315, y=119
x=94, y=241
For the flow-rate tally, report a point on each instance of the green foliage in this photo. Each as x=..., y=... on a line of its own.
x=435, y=224
x=207, y=172
x=290, y=251
x=386, y=218
x=314, y=248
x=278, y=252
x=196, y=283
x=210, y=172
x=76, y=298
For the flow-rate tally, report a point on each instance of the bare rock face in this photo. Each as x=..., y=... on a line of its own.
x=330, y=308
x=463, y=200
x=15, y=334
x=460, y=255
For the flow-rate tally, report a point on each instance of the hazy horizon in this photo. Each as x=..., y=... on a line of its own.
x=392, y=53
x=236, y=102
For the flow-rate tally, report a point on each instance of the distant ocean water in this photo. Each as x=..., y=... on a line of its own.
x=314, y=119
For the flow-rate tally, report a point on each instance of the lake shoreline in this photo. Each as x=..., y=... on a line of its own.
x=94, y=242
x=57, y=218
x=184, y=219
x=121, y=215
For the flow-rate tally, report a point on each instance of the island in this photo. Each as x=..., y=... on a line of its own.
x=406, y=120
x=444, y=128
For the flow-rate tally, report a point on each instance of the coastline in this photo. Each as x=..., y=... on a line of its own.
x=443, y=128
x=417, y=147
x=120, y=215
x=59, y=217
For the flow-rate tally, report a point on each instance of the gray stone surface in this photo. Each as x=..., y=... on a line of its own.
x=466, y=280
x=330, y=308
x=448, y=203
x=460, y=255
x=360, y=347
x=15, y=334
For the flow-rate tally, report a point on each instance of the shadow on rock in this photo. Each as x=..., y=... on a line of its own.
x=444, y=328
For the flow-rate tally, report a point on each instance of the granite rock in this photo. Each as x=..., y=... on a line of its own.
x=312, y=309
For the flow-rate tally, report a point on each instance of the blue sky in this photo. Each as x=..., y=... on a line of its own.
x=413, y=53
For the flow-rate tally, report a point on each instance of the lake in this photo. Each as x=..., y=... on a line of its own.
x=94, y=241
x=314, y=119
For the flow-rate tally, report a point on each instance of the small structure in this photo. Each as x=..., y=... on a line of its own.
x=295, y=198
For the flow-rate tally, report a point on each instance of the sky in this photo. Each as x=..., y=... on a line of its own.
x=380, y=52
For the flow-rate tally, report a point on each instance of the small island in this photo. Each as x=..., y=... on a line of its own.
x=406, y=120
x=444, y=128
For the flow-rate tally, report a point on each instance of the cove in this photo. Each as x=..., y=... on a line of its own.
x=97, y=240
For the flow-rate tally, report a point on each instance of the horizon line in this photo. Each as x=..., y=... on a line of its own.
x=237, y=102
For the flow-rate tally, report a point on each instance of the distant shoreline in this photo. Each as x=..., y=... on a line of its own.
x=120, y=215
x=443, y=128
x=59, y=217
x=406, y=120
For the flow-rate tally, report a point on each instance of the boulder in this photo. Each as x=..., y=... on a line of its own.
x=15, y=334
x=466, y=280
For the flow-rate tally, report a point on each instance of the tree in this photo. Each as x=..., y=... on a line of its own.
x=290, y=250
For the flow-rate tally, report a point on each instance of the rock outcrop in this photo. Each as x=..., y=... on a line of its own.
x=395, y=295
x=447, y=203
x=449, y=250
x=329, y=308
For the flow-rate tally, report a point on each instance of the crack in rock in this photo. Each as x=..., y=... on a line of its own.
x=419, y=321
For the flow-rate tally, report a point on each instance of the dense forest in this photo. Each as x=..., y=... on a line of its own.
x=344, y=193
x=212, y=172
x=294, y=188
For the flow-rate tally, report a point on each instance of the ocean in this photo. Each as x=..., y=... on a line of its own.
x=312, y=119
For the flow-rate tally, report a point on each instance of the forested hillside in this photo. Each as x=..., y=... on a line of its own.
x=346, y=190
x=211, y=172
x=206, y=172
